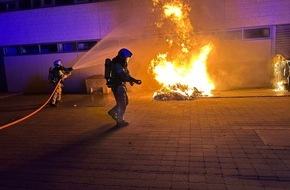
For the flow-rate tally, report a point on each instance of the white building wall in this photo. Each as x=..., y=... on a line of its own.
x=246, y=13
x=55, y=24
x=241, y=63
x=225, y=14
x=66, y=23
x=107, y=19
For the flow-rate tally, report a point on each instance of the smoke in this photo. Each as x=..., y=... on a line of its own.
x=233, y=63
x=236, y=64
x=131, y=32
x=118, y=38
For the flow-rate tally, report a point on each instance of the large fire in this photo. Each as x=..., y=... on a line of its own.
x=182, y=70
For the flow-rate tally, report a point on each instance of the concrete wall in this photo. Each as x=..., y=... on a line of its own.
x=241, y=63
x=87, y=21
x=29, y=73
x=130, y=23
x=107, y=20
x=226, y=14
x=247, y=13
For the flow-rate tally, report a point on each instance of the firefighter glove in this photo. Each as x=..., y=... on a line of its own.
x=138, y=82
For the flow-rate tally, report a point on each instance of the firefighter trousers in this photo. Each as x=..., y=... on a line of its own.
x=121, y=98
x=57, y=95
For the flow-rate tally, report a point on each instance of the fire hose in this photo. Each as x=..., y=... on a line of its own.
x=31, y=114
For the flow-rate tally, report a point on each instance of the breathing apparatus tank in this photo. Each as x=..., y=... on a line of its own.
x=108, y=72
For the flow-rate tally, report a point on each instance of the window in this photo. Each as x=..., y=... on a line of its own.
x=57, y=47
x=257, y=33
x=233, y=35
x=24, y=4
x=68, y=47
x=81, y=1
x=36, y=4
x=30, y=49
x=82, y=46
x=2, y=7
x=11, y=6
x=48, y=48
x=48, y=3
x=15, y=5
x=63, y=2
x=12, y=50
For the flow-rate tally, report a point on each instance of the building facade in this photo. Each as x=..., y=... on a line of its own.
x=246, y=36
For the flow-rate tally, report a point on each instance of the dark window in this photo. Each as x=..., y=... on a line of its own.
x=48, y=3
x=58, y=47
x=24, y=4
x=14, y=5
x=2, y=7
x=63, y=2
x=29, y=49
x=11, y=6
x=36, y=4
x=82, y=46
x=68, y=47
x=48, y=48
x=12, y=50
x=257, y=33
x=81, y=1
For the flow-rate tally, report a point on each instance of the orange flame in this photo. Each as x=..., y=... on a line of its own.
x=185, y=68
x=192, y=75
x=171, y=10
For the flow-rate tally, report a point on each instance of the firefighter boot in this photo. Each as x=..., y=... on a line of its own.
x=113, y=114
x=122, y=123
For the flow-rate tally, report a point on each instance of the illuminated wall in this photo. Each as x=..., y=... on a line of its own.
x=28, y=73
x=96, y=20
x=241, y=62
x=212, y=14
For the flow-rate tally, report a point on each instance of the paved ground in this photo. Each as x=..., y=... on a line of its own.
x=235, y=140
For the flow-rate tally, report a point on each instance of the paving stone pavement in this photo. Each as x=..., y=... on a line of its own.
x=234, y=140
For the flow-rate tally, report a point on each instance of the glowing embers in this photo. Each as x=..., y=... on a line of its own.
x=181, y=71
x=177, y=92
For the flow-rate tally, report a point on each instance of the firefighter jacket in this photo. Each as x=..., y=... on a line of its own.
x=58, y=73
x=120, y=72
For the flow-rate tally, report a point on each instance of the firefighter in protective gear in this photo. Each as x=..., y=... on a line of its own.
x=120, y=76
x=56, y=74
x=281, y=73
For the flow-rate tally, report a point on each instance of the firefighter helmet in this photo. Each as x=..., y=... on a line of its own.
x=125, y=53
x=57, y=63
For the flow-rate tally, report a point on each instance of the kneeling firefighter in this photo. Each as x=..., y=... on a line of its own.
x=56, y=74
x=117, y=81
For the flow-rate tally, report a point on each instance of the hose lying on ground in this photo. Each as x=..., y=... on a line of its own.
x=31, y=114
